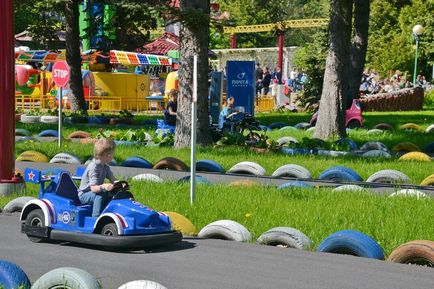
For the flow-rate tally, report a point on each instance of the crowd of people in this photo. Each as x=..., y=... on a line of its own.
x=266, y=79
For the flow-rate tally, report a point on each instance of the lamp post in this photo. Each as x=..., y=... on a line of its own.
x=417, y=30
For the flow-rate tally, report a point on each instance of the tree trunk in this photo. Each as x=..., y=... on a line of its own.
x=331, y=115
x=359, y=46
x=193, y=40
x=73, y=56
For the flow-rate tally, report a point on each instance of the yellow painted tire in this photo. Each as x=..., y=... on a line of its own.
x=32, y=156
x=428, y=181
x=415, y=156
x=181, y=223
x=410, y=126
x=406, y=146
x=244, y=183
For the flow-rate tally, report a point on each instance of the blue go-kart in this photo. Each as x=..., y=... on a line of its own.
x=124, y=224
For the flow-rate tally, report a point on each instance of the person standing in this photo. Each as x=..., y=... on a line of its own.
x=258, y=76
x=266, y=81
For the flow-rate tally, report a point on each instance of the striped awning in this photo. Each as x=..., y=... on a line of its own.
x=133, y=58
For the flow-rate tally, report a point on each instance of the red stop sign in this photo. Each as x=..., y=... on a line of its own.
x=60, y=73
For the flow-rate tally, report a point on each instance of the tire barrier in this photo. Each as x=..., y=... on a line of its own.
x=17, y=204
x=170, y=163
x=287, y=237
x=383, y=126
x=409, y=193
x=286, y=139
x=65, y=158
x=348, y=188
x=292, y=171
x=75, y=278
x=30, y=118
x=388, y=177
x=148, y=178
x=264, y=128
x=428, y=181
x=351, y=242
x=340, y=173
x=311, y=129
x=277, y=125
x=405, y=147
x=142, y=284
x=51, y=119
x=415, y=156
x=295, y=184
x=429, y=149
x=48, y=132
x=26, y=138
x=136, y=162
x=430, y=129
x=209, y=166
x=331, y=153
x=411, y=126
x=199, y=179
x=12, y=276
x=226, y=230
x=376, y=154
x=249, y=168
x=98, y=119
x=374, y=145
x=297, y=151
x=79, y=134
x=420, y=252
x=22, y=132
x=182, y=223
x=32, y=156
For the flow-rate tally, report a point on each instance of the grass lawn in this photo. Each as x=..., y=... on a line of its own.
x=316, y=212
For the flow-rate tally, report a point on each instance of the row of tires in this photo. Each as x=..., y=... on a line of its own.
x=336, y=173
x=13, y=277
x=349, y=242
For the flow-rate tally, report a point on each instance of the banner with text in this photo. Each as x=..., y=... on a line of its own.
x=240, y=84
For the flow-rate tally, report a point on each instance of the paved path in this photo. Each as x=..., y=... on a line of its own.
x=212, y=264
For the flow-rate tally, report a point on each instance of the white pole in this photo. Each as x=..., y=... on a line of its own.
x=193, y=133
x=59, y=143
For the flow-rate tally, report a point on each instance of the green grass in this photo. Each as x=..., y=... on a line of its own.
x=316, y=212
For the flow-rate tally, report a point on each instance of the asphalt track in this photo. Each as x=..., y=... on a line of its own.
x=212, y=264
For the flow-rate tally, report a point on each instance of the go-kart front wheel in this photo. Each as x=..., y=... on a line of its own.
x=35, y=218
x=110, y=229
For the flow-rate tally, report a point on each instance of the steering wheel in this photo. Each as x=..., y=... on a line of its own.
x=120, y=191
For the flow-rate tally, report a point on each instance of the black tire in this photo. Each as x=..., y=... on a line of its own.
x=110, y=229
x=36, y=218
x=354, y=124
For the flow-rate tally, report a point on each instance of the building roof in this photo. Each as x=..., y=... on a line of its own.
x=162, y=45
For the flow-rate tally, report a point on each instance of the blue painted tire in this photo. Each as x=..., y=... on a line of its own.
x=278, y=125
x=48, y=132
x=22, y=132
x=351, y=242
x=302, y=125
x=209, y=166
x=353, y=146
x=136, y=162
x=264, y=128
x=98, y=119
x=199, y=179
x=295, y=184
x=297, y=151
x=429, y=149
x=340, y=173
x=12, y=276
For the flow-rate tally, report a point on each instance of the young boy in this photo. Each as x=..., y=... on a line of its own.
x=92, y=189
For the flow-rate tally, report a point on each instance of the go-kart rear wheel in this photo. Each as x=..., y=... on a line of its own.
x=110, y=229
x=35, y=218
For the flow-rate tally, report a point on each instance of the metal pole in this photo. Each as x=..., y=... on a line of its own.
x=193, y=133
x=7, y=92
x=59, y=143
x=280, y=56
x=233, y=40
x=415, y=59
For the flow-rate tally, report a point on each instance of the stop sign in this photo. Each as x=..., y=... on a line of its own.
x=60, y=73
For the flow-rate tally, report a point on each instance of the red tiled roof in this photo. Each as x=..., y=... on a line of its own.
x=162, y=45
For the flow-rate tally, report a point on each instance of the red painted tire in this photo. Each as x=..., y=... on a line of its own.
x=414, y=252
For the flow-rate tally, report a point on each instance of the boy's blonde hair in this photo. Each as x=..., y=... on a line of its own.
x=102, y=147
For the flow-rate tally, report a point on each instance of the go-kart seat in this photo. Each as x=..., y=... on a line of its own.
x=66, y=188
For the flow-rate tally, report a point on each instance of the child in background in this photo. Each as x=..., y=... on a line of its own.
x=92, y=189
